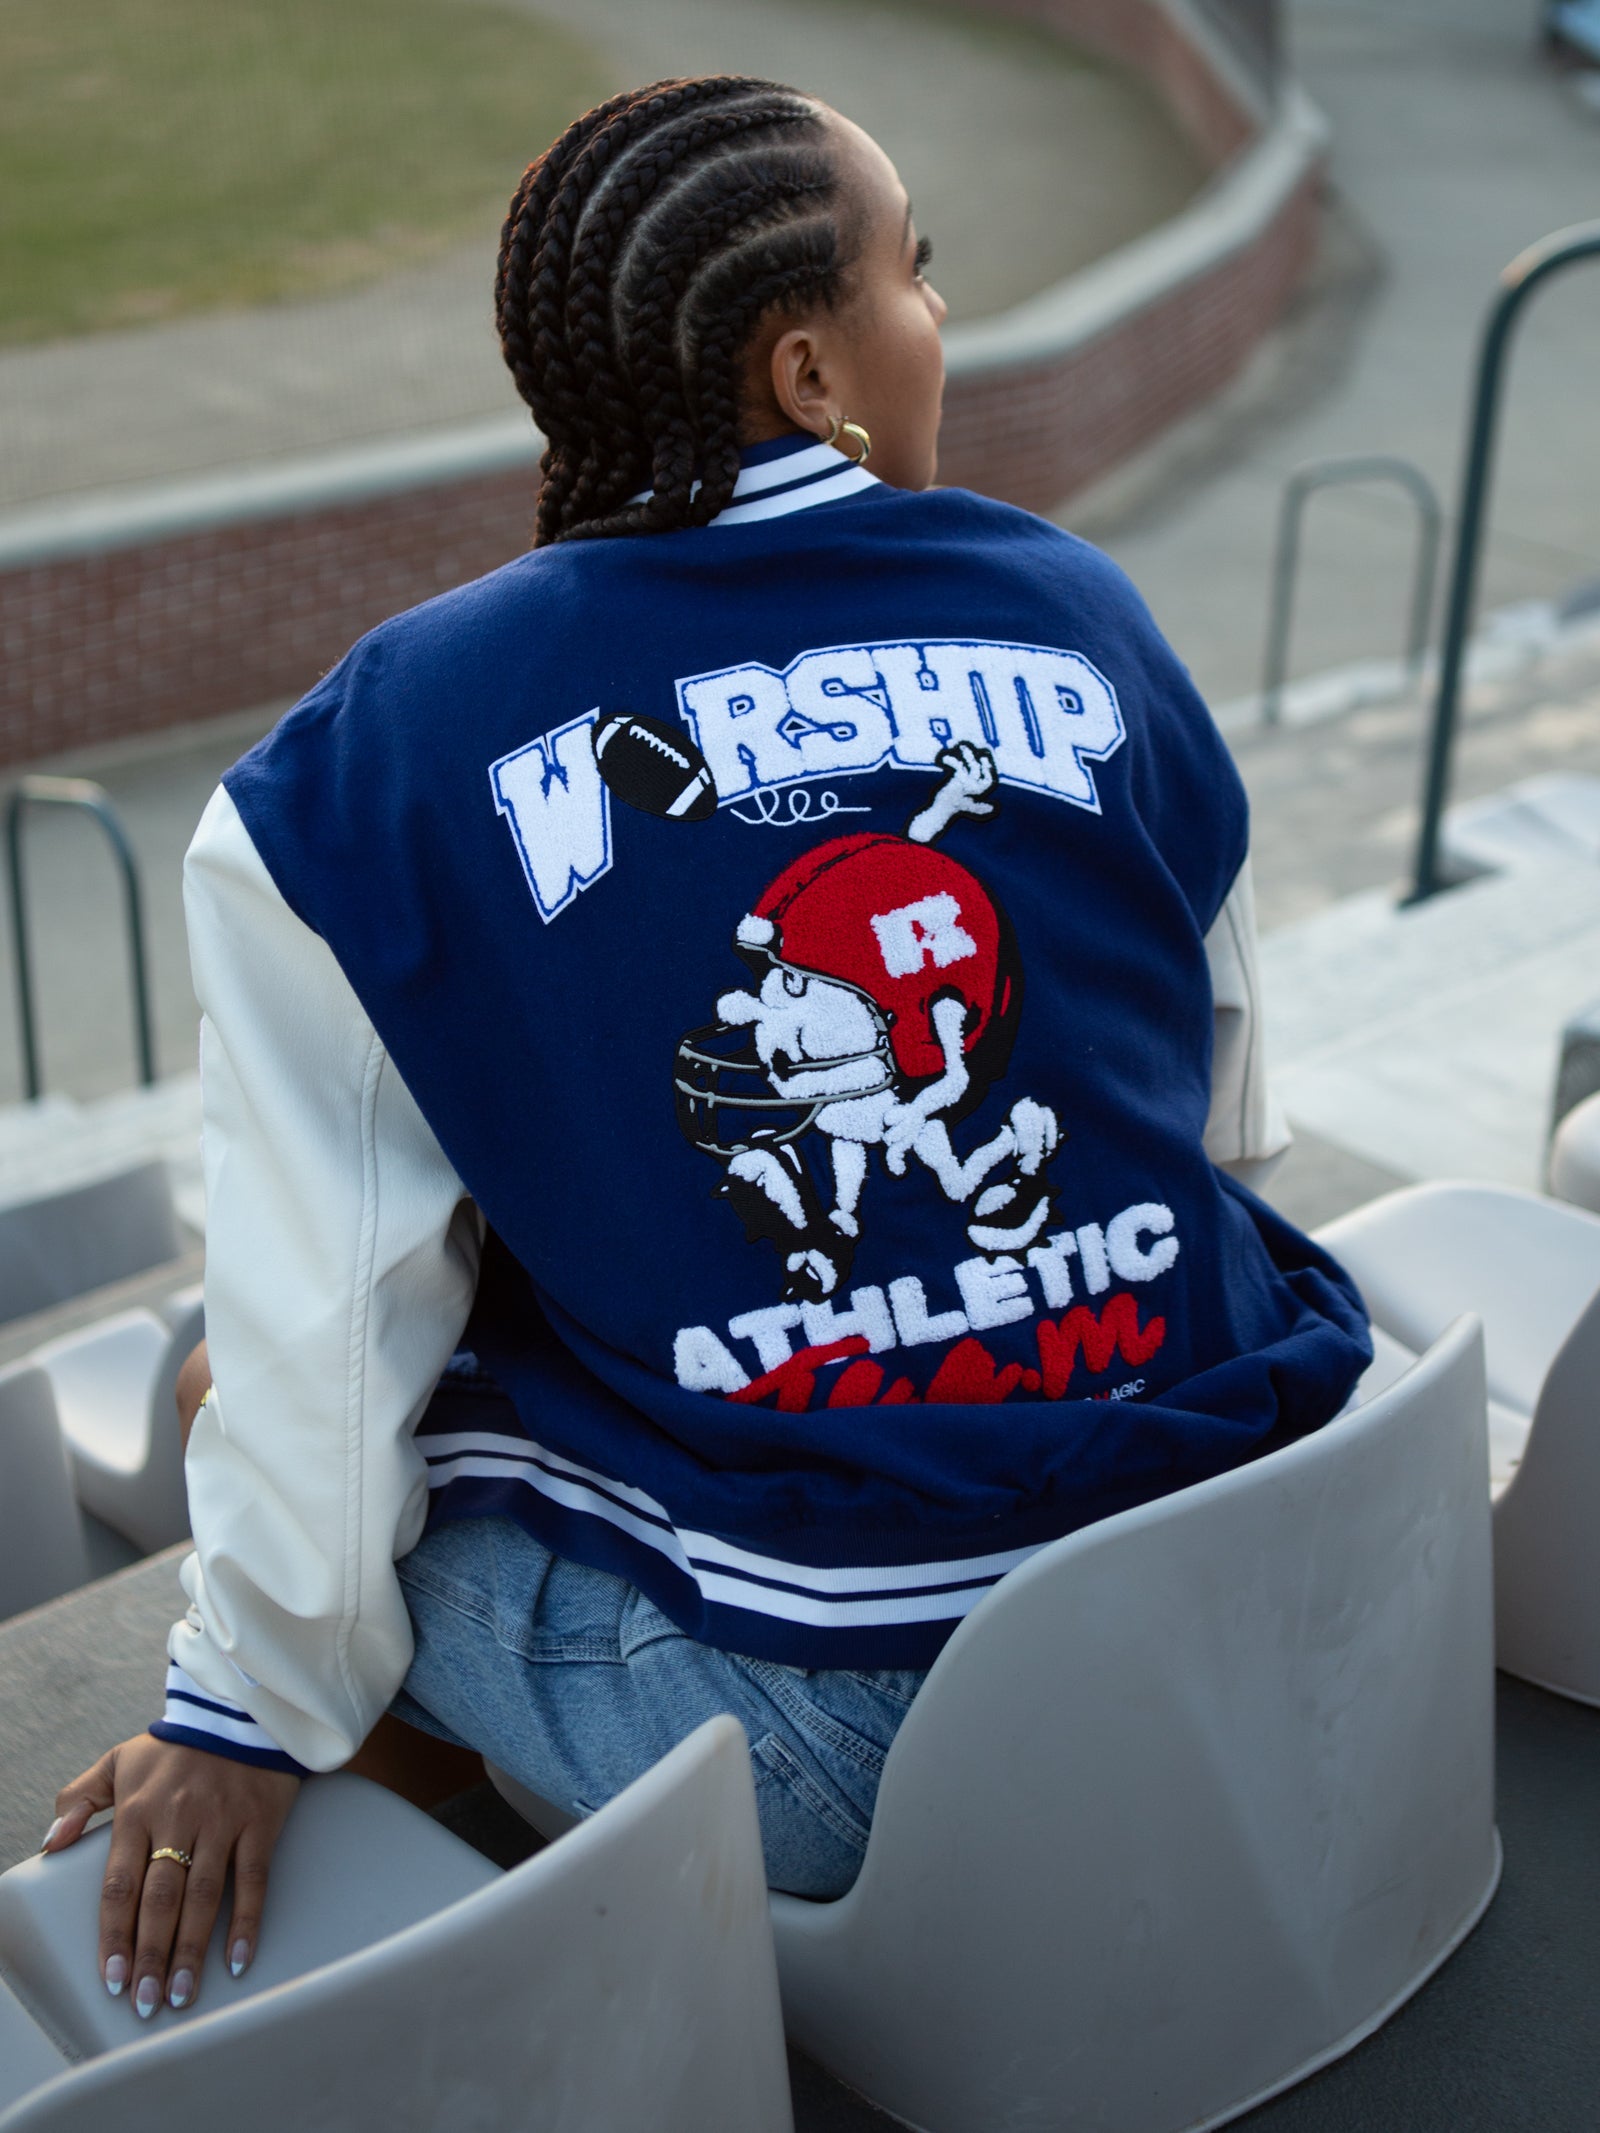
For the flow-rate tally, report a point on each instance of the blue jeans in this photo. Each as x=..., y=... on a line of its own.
x=574, y=1683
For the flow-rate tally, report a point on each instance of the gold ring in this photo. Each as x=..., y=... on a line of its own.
x=170, y=1851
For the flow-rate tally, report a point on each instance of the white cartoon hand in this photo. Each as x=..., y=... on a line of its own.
x=970, y=777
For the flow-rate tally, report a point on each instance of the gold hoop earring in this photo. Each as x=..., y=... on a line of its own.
x=851, y=429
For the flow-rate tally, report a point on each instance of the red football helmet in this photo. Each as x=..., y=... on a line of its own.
x=903, y=924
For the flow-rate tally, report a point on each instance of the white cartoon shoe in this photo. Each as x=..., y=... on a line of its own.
x=1010, y=1213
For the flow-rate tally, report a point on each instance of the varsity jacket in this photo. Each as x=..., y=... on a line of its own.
x=754, y=989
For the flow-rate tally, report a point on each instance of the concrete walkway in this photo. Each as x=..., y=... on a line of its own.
x=1334, y=805
x=1074, y=160
x=1455, y=144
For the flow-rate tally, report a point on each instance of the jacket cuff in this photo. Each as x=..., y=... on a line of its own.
x=194, y=1718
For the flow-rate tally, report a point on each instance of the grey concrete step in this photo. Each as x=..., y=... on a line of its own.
x=1555, y=816
x=55, y=1143
x=1426, y=1040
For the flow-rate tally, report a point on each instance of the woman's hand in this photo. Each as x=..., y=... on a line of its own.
x=156, y=1916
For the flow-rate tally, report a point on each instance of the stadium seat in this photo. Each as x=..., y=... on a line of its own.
x=1530, y=1267
x=549, y=1820
x=622, y=1979
x=65, y=1243
x=1190, y=1803
x=28, y=2058
x=332, y=1894
x=42, y=1551
x=114, y=1386
x=1575, y=1156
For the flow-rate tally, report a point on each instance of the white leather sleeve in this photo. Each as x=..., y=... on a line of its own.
x=341, y=1259
x=1246, y=1132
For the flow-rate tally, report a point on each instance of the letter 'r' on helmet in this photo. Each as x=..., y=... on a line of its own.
x=905, y=925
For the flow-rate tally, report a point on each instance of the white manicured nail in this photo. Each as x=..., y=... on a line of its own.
x=52, y=1833
x=239, y=1957
x=181, y=1991
x=116, y=1973
x=147, y=1999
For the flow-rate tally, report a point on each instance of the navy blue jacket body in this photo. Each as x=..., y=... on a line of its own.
x=793, y=931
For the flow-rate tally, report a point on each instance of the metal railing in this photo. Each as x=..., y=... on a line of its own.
x=1297, y=493
x=82, y=795
x=1527, y=272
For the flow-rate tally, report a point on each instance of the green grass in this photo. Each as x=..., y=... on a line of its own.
x=167, y=156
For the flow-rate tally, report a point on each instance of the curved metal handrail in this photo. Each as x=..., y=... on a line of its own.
x=1297, y=491
x=1563, y=248
x=87, y=798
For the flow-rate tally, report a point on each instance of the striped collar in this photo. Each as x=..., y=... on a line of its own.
x=786, y=475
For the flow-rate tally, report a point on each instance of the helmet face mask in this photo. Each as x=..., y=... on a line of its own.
x=735, y=1093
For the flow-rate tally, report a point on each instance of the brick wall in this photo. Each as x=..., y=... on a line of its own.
x=100, y=647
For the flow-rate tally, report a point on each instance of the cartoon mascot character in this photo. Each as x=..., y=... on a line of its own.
x=886, y=1000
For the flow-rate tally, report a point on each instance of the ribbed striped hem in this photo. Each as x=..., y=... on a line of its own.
x=736, y=1596
x=196, y=1719
x=799, y=477
x=798, y=482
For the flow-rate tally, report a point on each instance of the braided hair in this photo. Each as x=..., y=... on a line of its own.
x=639, y=256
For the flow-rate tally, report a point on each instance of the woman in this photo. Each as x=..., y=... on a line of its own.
x=743, y=974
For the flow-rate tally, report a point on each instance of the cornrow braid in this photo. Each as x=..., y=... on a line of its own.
x=639, y=256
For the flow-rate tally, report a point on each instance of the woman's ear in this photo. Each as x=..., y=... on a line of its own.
x=802, y=384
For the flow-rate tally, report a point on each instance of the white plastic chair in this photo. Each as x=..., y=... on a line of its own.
x=1191, y=1803
x=1530, y=1268
x=63, y=1244
x=624, y=1979
x=27, y=2057
x=355, y=1864
x=115, y=1385
x=1251, y=1817
x=1575, y=1156
x=42, y=1552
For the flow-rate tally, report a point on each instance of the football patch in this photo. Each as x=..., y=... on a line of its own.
x=650, y=766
